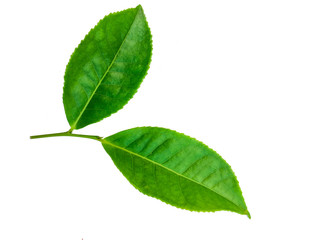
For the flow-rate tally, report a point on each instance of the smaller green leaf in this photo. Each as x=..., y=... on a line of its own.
x=107, y=67
x=176, y=169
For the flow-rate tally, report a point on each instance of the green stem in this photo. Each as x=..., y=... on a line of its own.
x=66, y=134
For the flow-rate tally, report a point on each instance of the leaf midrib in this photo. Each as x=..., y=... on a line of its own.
x=104, y=75
x=104, y=141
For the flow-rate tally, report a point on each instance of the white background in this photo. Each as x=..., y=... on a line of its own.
x=241, y=76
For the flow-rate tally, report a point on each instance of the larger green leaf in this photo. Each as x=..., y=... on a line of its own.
x=176, y=169
x=106, y=69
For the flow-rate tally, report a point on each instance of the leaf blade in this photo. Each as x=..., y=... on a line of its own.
x=176, y=169
x=107, y=67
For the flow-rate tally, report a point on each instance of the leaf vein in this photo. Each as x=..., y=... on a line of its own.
x=95, y=69
x=195, y=163
x=159, y=146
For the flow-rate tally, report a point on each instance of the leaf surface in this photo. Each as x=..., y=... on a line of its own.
x=176, y=169
x=107, y=67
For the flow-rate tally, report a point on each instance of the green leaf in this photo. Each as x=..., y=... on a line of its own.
x=176, y=169
x=107, y=67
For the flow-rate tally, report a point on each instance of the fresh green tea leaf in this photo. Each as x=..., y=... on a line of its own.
x=176, y=169
x=103, y=74
x=107, y=67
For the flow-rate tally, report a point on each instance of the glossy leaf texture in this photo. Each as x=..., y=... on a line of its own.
x=176, y=169
x=107, y=67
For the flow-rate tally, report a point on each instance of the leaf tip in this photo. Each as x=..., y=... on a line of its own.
x=248, y=214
